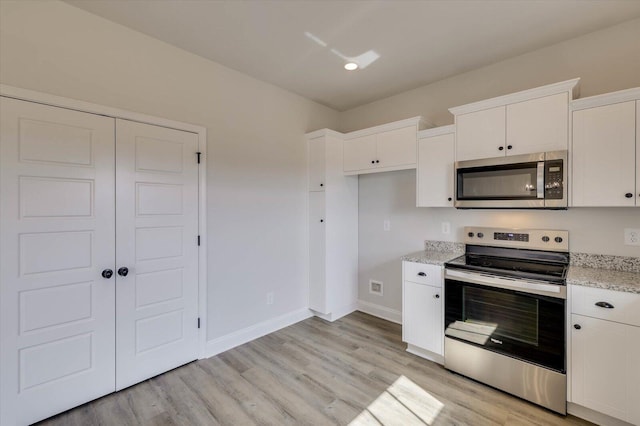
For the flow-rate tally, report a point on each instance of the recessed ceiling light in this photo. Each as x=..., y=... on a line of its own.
x=350, y=66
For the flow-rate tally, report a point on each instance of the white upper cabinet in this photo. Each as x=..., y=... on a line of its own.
x=360, y=153
x=434, y=186
x=481, y=134
x=604, y=150
x=382, y=148
x=538, y=125
x=535, y=120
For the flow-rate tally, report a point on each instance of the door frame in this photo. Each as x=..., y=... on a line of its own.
x=82, y=106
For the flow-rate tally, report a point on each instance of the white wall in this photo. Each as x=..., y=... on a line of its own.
x=606, y=60
x=256, y=152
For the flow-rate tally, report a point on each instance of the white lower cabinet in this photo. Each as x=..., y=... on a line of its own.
x=422, y=310
x=605, y=352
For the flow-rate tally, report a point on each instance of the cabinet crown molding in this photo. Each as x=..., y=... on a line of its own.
x=436, y=131
x=324, y=132
x=626, y=95
x=417, y=121
x=570, y=86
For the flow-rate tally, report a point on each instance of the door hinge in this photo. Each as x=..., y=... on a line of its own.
x=198, y=322
x=198, y=240
x=198, y=154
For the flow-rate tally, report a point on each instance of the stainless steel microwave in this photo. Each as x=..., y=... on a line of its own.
x=530, y=181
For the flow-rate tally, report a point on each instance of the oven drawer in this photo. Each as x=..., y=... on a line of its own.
x=610, y=305
x=423, y=273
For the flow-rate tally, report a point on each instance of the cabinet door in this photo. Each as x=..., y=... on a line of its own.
x=538, y=125
x=317, y=240
x=58, y=236
x=633, y=378
x=359, y=153
x=156, y=234
x=435, y=171
x=422, y=316
x=601, y=365
x=316, y=164
x=604, y=156
x=638, y=154
x=480, y=134
x=397, y=147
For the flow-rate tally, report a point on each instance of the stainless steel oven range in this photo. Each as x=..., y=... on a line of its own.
x=505, y=310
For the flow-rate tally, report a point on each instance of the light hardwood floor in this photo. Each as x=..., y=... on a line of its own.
x=353, y=371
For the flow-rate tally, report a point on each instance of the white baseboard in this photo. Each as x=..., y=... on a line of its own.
x=423, y=353
x=594, y=416
x=237, y=338
x=380, y=311
x=338, y=313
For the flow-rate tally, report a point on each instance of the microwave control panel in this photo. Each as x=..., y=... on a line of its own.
x=554, y=185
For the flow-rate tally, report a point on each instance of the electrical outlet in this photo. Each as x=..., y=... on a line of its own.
x=387, y=225
x=446, y=227
x=270, y=298
x=632, y=237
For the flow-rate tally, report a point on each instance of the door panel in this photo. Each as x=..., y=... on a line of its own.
x=359, y=153
x=57, y=226
x=481, y=134
x=604, y=152
x=157, y=228
x=538, y=125
x=397, y=147
x=316, y=164
x=317, y=256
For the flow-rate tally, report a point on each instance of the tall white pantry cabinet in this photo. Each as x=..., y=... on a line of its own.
x=333, y=228
x=99, y=260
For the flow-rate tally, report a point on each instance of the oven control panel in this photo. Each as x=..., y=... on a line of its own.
x=534, y=239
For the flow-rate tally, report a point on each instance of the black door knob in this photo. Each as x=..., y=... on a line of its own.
x=107, y=273
x=449, y=199
x=437, y=296
x=628, y=195
x=373, y=161
x=322, y=184
x=577, y=326
x=377, y=161
x=500, y=148
x=321, y=220
x=123, y=272
x=509, y=146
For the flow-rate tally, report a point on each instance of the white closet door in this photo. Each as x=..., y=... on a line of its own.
x=156, y=237
x=57, y=236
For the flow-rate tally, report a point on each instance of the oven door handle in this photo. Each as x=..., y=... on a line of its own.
x=519, y=284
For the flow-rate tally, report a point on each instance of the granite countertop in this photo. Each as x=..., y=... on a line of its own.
x=604, y=278
x=618, y=273
x=432, y=257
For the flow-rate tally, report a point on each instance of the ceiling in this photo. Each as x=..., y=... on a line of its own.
x=302, y=45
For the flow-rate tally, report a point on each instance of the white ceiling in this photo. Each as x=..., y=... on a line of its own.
x=418, y=42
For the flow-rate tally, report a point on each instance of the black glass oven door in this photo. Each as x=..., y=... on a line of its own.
x=521, y=325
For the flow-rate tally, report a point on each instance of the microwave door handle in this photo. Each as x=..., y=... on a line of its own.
x=541, y=179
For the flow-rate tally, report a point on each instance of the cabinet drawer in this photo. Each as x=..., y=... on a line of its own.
x=423, y=273
x=625, y=306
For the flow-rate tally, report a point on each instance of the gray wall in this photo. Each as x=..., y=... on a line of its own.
x=256, y=162
x=391, y=196
x=606, y=60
